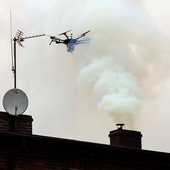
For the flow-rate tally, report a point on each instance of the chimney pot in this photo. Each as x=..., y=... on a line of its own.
x=120, y=126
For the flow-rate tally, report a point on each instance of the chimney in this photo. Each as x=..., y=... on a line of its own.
x=125, y=138
x=18, y=124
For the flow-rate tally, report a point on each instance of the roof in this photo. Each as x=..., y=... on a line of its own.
x=58, y=148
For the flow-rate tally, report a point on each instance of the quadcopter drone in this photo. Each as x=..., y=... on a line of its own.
x=70, y=42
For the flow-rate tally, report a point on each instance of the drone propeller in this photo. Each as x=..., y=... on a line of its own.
x=64, y=33
x=55, y=39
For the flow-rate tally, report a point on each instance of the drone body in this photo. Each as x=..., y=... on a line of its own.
x=69, y=41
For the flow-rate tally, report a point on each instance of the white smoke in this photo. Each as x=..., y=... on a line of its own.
x=117, y=88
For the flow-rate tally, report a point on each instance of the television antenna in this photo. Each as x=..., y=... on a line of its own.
x=18, y=39
x=15, y=101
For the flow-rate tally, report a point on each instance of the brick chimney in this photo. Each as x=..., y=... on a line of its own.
x=125, y=138
x=18, y=124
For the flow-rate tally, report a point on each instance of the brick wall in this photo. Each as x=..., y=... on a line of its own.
x=20, y=124
x=32, y=152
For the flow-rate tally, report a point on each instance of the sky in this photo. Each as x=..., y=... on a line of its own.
x=121, y=76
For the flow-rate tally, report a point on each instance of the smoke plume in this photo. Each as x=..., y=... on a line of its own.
x=117, y=88
x=121, y=76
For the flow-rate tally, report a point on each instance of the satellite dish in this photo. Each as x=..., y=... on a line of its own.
x=15, y=102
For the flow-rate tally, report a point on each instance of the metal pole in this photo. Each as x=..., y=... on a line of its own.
x=15, y=62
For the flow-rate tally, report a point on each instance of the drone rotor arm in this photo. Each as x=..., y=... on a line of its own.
x=84, y=34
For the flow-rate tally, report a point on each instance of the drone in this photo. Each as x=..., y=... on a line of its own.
x=70, y=42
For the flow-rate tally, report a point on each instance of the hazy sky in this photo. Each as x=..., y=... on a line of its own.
x=121, y=76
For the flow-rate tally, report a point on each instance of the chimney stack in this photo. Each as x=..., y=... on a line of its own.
x=18, y=124
x=125, y=138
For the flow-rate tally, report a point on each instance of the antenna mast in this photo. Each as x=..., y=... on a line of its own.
x=18, y=39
